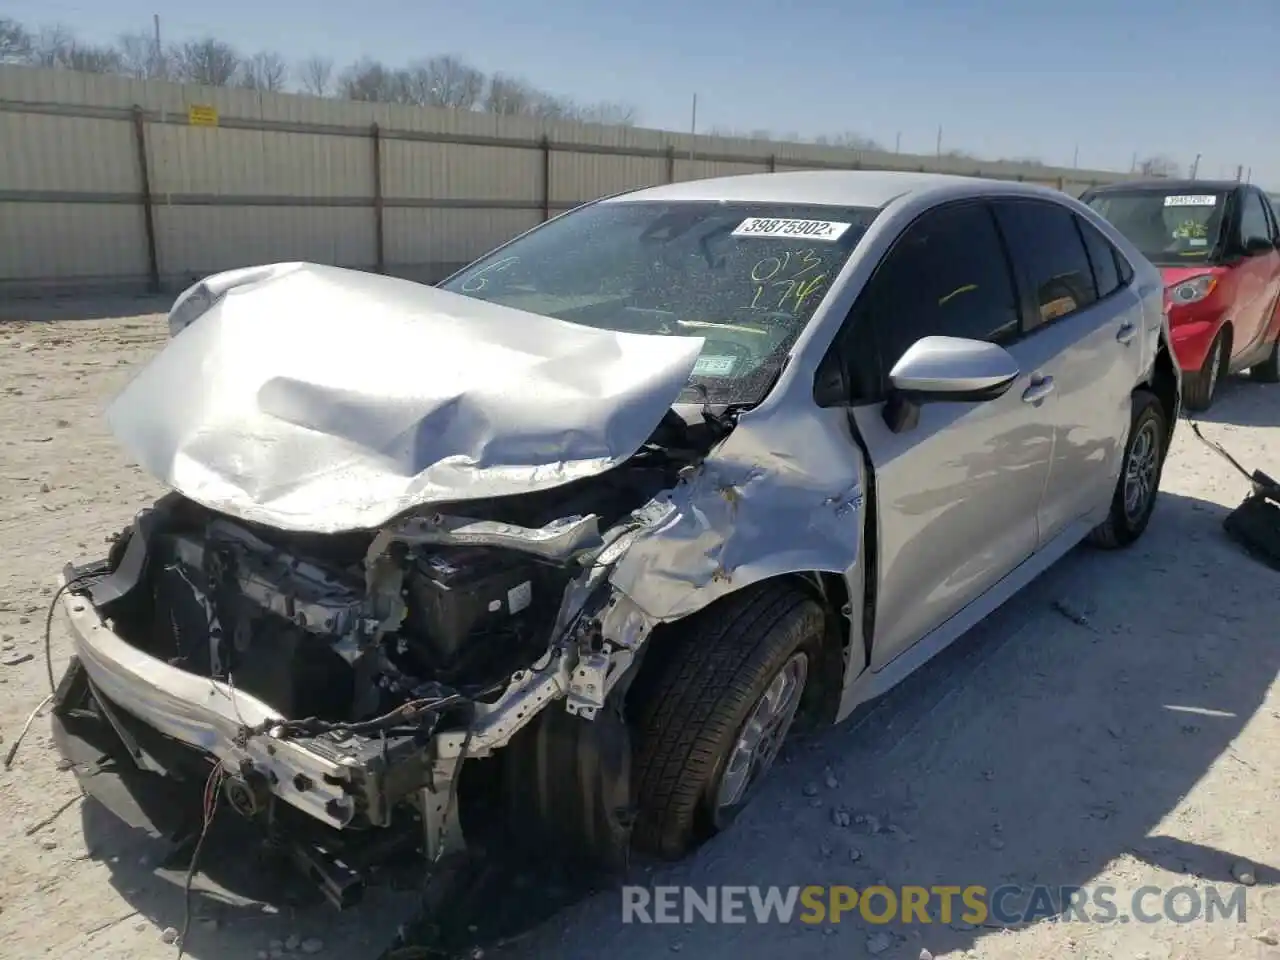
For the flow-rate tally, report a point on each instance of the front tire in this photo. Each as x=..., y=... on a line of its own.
x=715, y=717
x=1139, y=484
x=1268, y=371
x=1199, y=388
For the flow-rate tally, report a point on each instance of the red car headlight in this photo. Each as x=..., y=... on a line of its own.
x=1191, y=291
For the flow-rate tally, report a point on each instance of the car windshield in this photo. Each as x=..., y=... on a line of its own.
x=747, y=277
x=1169, y=227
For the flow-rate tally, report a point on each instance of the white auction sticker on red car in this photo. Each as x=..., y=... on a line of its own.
x=1192, y=200
x=822, y=230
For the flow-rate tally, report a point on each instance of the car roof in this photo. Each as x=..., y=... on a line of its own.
x=849, y=188
x=1164, y=183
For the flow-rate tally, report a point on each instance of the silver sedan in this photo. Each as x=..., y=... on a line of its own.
x=619, y=503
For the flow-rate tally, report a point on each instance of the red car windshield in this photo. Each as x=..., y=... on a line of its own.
x=1170, y=227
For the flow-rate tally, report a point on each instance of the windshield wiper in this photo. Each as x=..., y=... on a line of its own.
x=720, y=423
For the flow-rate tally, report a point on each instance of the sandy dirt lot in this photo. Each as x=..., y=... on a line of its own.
x=1116, y=724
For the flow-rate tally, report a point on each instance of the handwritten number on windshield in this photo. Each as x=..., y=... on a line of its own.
x=775, y=268
x=479, y=280
x=789, y=278
x=796, y=291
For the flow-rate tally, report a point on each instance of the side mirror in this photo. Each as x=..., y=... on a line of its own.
x=1257, y=246
x=946, y=369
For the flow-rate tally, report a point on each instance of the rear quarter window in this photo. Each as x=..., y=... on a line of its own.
x=1103, y=257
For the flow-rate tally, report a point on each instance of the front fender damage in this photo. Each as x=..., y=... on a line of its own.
x=726, y=525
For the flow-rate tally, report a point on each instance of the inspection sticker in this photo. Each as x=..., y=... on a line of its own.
x=824, y=230
x=714, y=366
x=1192, y=200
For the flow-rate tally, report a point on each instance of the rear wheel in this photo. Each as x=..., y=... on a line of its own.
x=713, y=721
x=1139, y=483
x=1268, y=371
x=1199, y=388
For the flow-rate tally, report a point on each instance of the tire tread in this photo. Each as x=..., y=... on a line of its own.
x=1113, y=533
x=713, y=670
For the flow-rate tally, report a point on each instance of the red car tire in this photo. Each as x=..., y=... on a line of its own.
x=1268, y=371
x=1200, y=386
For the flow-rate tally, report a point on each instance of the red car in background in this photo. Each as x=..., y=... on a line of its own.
x=1218, y=246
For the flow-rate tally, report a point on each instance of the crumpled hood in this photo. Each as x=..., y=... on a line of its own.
x=321, y=399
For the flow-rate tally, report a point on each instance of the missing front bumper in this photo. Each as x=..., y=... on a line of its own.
x=157, y=802
x=341, y=782
x=152, y=732
x=143, y=735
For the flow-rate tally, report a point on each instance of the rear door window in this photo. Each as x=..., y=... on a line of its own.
x=1049, y=256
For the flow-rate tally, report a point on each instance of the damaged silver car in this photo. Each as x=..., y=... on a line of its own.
x=567, y=545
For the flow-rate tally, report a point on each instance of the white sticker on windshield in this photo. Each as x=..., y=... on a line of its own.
x=1197, y=242
x=825, y=230
x=1192, y=200
x=714, y=366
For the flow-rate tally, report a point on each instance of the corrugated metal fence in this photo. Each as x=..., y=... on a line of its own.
x=111, y=182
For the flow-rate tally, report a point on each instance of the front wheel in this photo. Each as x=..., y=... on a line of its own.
x=1200, y=387
x=1268, y=371
x=714, y=719
x=1139, y=483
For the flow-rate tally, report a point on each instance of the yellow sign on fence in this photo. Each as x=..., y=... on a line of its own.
x=202, y=115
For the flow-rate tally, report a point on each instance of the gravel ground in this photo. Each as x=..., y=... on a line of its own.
x=1109, y=726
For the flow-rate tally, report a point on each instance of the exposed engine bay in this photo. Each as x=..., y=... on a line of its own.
x=290, y=623
x=338, y=681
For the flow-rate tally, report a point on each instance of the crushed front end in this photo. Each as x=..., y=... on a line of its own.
x=334, y=683
x=390, y=548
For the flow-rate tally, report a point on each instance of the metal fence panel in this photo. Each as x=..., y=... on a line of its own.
x=445, y=171
x=54, y=246
x=105, y=178
x=428, y=244
x=195, y=241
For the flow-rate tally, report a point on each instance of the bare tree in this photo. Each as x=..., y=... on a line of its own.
x=315, y=74
x=611, y=114
x=513, y=97
x=445, y=81
x=263, y=71
x=51, y=46
x=141, y=59
x=15, y=42
x=209, y=61
x=510, y=96
x=91, y=59
x=1159, y=165
x=56, y=46
x=370, y=80
x=546, y=106
x=849, y=140
x=734, y=133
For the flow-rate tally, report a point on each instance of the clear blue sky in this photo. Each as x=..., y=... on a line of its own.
x=1002, y=77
